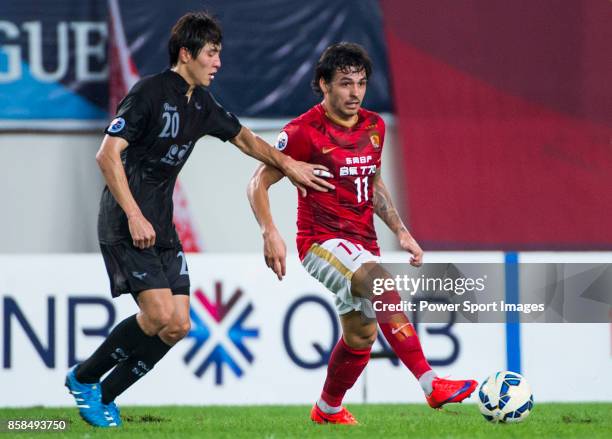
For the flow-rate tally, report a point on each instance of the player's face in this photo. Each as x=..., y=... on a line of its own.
x=203, y=68
x=345, y=92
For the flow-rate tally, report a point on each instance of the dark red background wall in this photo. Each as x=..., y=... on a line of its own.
x=505, y=114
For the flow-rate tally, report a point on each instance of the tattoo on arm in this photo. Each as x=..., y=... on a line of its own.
x=384, y=208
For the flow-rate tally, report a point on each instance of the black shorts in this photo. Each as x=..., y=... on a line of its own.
x=132, y=270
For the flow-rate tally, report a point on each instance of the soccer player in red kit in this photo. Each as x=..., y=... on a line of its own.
x=336, y=238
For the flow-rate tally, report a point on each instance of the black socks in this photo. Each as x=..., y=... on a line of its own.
x=117, y=347
x=131, y=350
x=141, y=361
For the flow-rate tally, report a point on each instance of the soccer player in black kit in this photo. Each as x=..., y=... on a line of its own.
x=155, y=129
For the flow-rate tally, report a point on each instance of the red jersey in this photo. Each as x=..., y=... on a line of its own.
x=353, y=155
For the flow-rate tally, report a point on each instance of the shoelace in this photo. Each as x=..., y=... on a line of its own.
x=446, y=384
x=346, y=414
x=87, y=393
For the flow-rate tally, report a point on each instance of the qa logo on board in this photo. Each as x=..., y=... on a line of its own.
x=219, y=333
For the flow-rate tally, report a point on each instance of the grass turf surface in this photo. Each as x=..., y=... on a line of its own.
x=592, y=420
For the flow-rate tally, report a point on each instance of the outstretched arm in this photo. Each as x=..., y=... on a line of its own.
x=384, y=208
x=275, y=250
x=302, y=175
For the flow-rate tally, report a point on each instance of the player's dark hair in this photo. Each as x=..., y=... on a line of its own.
x=192, y=31
x=345, y=57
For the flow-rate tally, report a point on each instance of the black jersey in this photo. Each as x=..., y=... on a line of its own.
x=161, y=127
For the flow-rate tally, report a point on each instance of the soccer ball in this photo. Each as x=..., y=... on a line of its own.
x=505, y=397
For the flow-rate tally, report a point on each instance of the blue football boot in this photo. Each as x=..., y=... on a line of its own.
x=89, y=401
x=114, y=411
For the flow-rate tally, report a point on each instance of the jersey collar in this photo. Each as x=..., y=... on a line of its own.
x=177, y=81
x=340, y=123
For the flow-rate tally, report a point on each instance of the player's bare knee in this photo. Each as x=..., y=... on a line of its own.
x=179, y=326
x=171, y=336
x=370, y=339
x=175, y=332
x=156, y=310
x=147, y=326
x=370, y=334
x=359, y=340
x=181, y=330
x=157, y=320
x=364, y=342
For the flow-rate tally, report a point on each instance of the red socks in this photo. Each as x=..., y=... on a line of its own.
x=400, y=334
x=345, y=366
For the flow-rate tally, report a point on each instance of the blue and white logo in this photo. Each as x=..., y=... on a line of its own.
x=116, y=125
x=282, y=140
x=230, y=339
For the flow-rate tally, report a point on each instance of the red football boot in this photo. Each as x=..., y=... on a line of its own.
x=445, y=391
x=342, y=417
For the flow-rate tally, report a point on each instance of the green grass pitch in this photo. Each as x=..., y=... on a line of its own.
x=588, y=420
